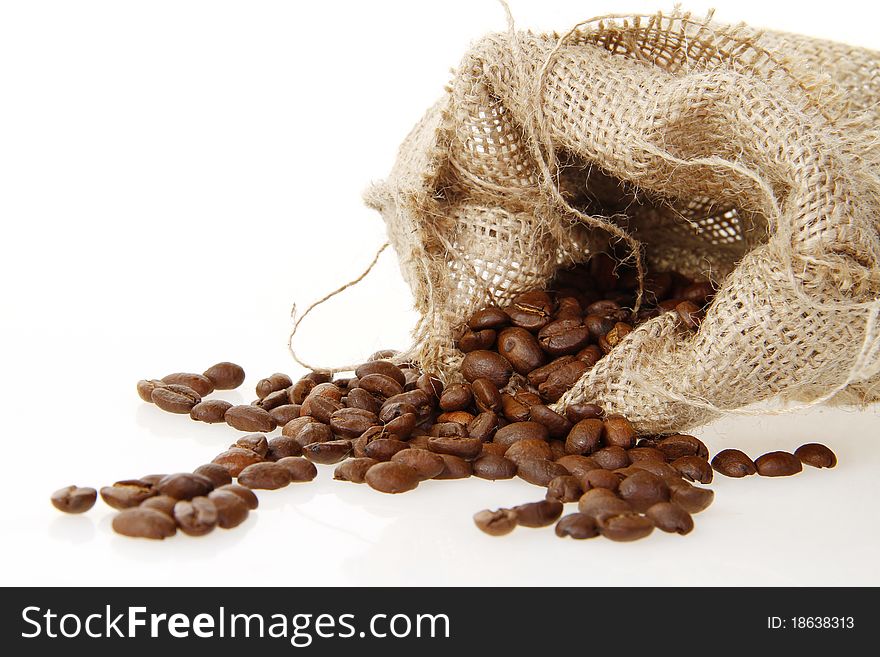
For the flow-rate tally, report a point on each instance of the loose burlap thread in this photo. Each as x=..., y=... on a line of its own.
x=746, y=157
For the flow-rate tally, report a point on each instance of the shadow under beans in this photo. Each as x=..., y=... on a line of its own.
x=72, y=528
x=175, y=427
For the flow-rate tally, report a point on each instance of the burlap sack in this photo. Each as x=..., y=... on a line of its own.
x=747, y=157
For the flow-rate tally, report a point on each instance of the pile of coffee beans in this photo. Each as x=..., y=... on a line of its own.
x=394, y=427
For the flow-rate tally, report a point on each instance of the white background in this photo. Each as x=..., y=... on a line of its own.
x=173, y=175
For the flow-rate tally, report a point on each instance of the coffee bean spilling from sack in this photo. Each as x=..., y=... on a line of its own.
x=394, y=427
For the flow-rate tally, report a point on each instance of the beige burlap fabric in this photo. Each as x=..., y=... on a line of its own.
x=747, y=157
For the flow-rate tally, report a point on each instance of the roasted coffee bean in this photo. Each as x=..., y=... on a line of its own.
x=299, y=391
x=273, y=400
x=493, y=448
x=382, y=449
x=217, y=474
x=643, y=490
x=778, y=464
x=510, y=433
x=585, y=437
x=383, y=367
x=232, y=509
x=597, y=325
x=328, y=453
x=381, y=386
x=426, y=464
x=488, y=318
x=531, y=310
x=513, y=409
x=456, y=397
x=151, y=479
x=352, y=422
x=578, y=465
x=391, y=477
x=184, y=485
x=466, y=448
x=483, y=426
x=582, y=411
x=564, y=337
x=529, y=448
x=353, y=470
x=196, y=517
x=670, y=518
x=246, y=494
x=249, y=418
x=557, y=449
x=599, y=503
x=637, y=454
x=320, y=407
x=611, y=458
x=488, y=365
x=300, y=469
x=144, y=523
x=198, y=382
x=689, y=314
x=360, y=398
x=590, y=355
x=561, y=379
x=816, y=455
x=285, y=413
x=402, y=426
x=600, y=479
x=126, y=494
x=268, y=476
x=625, y=527
x=475, y=340
x=521, y=349
x=692, y=499
x=272, y=384
x=557, y=425
x=327, y=390
x=496, y=523
x=539, y=472
x=459, y=417
x=455, y=467
x=295, y=426
x=393, y=410
x=616, y=334
x=430, y=386
x=175, y=398
x=538, y=376
x=73, y=499
x=145, y=388
x=236, y=459
x=578, y=526
x=565, y=488
x=494, y=467
x=448, y=430
x=658, y=468
x=255, y=442
x=211, y=411
x=619, y=432
x=680, y=444
x=315, y=432
x=694, y=468
x=538, y=514
x=225, y=375
x=697, y=293
x=163, y=503
x=733, y=463
x=418, y=399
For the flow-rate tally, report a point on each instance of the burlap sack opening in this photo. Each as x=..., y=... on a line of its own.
x=747, y=157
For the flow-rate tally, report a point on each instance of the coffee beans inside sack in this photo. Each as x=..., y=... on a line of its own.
x=598, y=274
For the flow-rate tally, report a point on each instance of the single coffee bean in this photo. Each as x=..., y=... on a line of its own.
x=448, y=429
x=679, y=445
x=294, y=426
x=692, y=499
x=538, y=376
x=470, y=340
x=486, y=364
x=402, y=427
x=383, y=449
x=430, y=385
x=360, y=398
x=211, y=411
x=625, y=527
x=488, y=318
x=416, y=398
x=426, y=464
x=643, y=490
x=273, y=400
x=619, y=432
x=568, y=308
x=353, y=470
x=733, y=463
x=531, y=310
x=521, y=349
x=315, y=432
x=149, y=480
x=493, y=448
x=232, y=509
x=483, y=426
x=614, y=336
x=577, y=465
x=599, y=503
x=778, y=464
x=391, y=477
x=466, y=448
x=383, y=367
x=225, y=375
x=250, y=418
x=267, y=476
x=638, y=454
x=600, y=479
x=198, y=382
x=578, y=526
x=557, y=425
x=255, y=442
x=494, y=467
x=582, y=411
x=538, y=514
x=196, y=517
x=564, y=337
x=460, y=417
x=320, y=407
x=299, y=391
x=126, y=494
x=557, y=449
x=380, y=385
x=496, y=523
x=513, y=409
x=514, y=431
x=184, y=485
x=670, y=518
x=272, y=384
x=392, y=411
x=598, y=325
x=218, y=475
x=333, y=451
x=236, y=459
x=658, y=468
x=285, y=413
x=694, y=468
x=611, y=458
x=163, y=503
x=527, y=449
x=539, y=472
x=528, y=398
x=689, y=314
x=565, y=488
x=282, y=446
x=145, y=388
x=456, y=397
x=175, y=398
x=300, y=469
x=246, y=494
x=585, y=437
x=144, y=523
x=454, y=467
x=605, y=308
x=73, y=499
x=816, y=455
x=562, y=379
x=352, y=422
x=697, y=292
